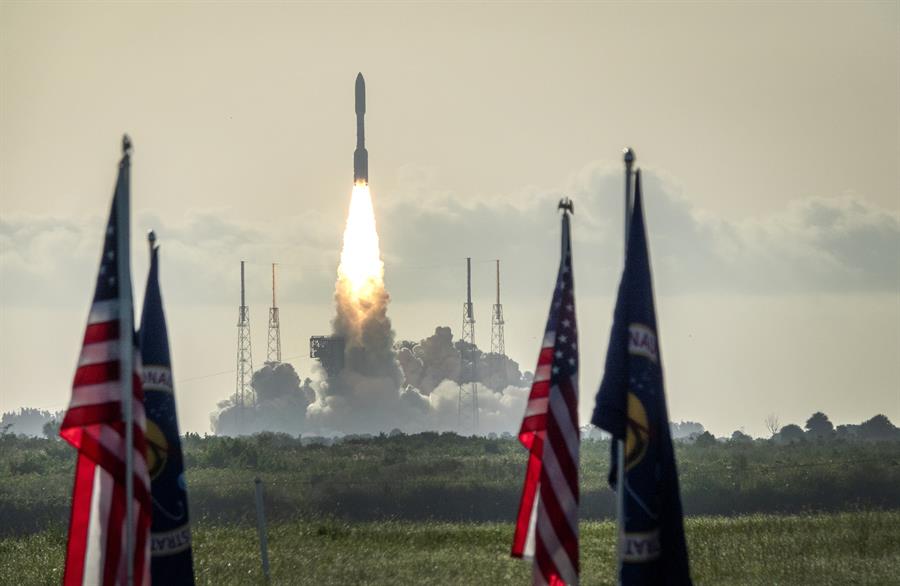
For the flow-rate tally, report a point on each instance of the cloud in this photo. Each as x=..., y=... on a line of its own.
x=828, y=245
x=833, y=245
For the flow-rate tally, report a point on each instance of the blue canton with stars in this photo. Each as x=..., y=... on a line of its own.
x=107, y=277
x=562, y=318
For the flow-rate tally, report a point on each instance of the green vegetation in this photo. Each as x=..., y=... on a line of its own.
x=451, y=478
x=840, y=549
x=437, y=509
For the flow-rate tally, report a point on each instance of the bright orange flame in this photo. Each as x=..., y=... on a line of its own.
x=361, y=272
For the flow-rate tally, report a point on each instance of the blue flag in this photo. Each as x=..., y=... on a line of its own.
x=631, y=405
x=172, y=560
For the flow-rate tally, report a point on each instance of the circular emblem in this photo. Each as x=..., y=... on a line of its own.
x=637, y=434
x=157, y=449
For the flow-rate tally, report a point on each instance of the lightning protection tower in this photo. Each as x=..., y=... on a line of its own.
x=243, y=392
x=468, y=392
x=273, y=351
x=498, y=346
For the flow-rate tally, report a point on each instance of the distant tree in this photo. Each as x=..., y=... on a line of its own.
x=26, y=421
x=791, y=433
x=772, y=424
x=819, y=426
x=51, y=429
x=878, y=428
x=685, y=429
x=847, y=431
x=740, y=437
x=705, y=439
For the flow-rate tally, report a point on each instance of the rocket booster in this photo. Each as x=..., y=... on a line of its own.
x=360, y=155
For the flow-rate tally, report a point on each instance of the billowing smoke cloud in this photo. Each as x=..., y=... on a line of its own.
x=280, y=404
x=416, y=388
x=437, y=358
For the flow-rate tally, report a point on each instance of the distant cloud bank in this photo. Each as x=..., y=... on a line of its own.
x=818, y=244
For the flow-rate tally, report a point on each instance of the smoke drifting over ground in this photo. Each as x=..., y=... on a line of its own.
x=411, y=386
x=381, y=385
x=280, y=404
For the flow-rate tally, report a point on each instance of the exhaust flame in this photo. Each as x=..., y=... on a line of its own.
x=361, y=272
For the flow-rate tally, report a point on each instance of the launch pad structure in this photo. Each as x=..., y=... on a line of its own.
x=243, y=391
x=498, y=345
x=468, y=391
x=273, y=350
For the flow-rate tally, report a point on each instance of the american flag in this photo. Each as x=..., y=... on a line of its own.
x=94, y=424
x=547, y=524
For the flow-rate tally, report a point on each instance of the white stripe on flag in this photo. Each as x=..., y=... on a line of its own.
x=96, y=394
x=536, y=406
x=94, y=553
x=103, y=311
x=99, y=352
x=528, y=550
x=549, y=339
x=542, y=373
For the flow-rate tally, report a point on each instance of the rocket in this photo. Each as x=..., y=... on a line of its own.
x=360, y=155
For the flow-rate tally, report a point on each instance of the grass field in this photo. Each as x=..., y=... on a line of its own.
x=838, y=549
x=455, y=479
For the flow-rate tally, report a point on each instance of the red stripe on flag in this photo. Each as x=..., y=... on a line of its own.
x=79, y=521
x=546, y=355
x=96, y=414
x=94, y=374
x=101, y=332
x=540, y=389
x=526, y=505
x=533, y=423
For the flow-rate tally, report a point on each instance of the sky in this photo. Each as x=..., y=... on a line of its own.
x=768, y=135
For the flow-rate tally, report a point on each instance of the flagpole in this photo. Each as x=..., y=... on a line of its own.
x=126, y=348
x=620, y=451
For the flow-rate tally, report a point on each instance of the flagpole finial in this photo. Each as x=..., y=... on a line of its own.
x=566, y=205
x=151, y=239
x=628, y=155
x=126, y=145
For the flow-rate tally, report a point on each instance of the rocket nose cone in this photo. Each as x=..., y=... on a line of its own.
x=360, y=94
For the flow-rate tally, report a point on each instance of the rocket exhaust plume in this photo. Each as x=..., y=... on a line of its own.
x=360, y=284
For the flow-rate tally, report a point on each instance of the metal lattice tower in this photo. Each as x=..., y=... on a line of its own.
x=243, y=391
x=468, y=392
x=273, y=351
x=498, y=345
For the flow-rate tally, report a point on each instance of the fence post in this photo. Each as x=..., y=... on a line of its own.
x=261, y=529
